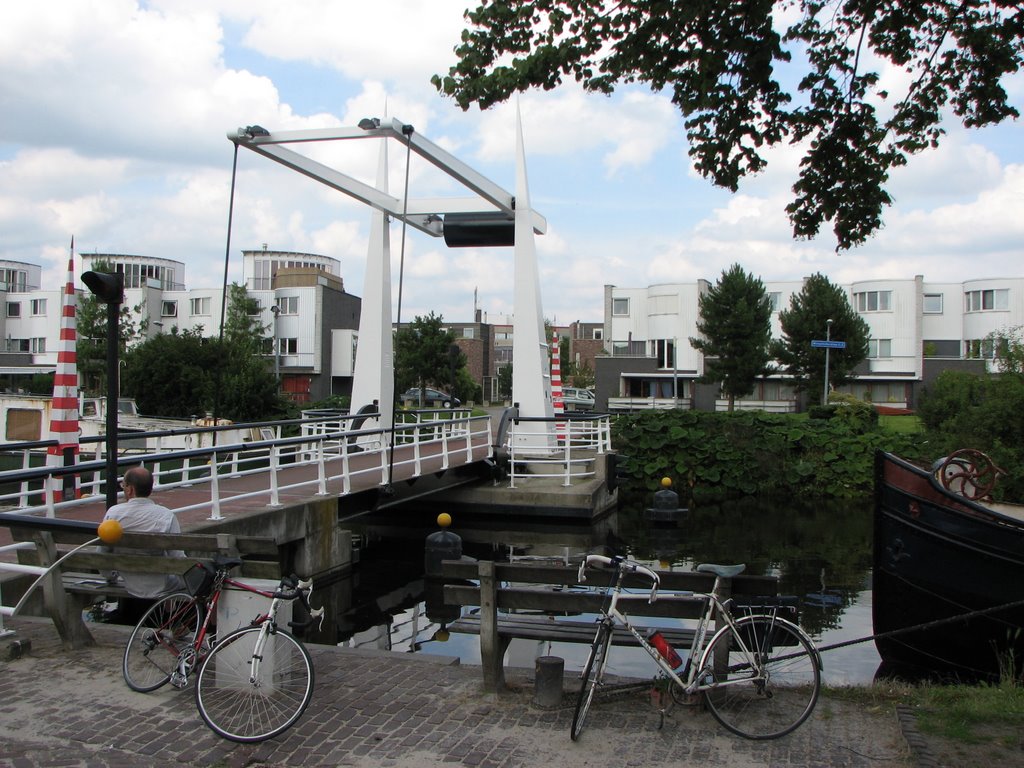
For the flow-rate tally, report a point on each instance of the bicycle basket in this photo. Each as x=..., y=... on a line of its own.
x=199, y=580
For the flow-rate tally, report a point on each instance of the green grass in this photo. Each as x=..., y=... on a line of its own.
x=909, y=424
x=970, y=714
x=963, y=714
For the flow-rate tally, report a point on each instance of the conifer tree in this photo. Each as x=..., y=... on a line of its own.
x=735, y=328
x=806, y=320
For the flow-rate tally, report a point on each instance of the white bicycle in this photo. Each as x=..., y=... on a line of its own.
x=759, y=674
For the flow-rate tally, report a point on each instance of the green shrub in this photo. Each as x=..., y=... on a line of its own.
x=727, y=455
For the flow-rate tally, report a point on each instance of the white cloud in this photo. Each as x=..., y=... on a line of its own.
x=113, y=130
x=386, y=41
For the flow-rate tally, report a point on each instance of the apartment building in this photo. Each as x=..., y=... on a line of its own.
x=917, y=330
x=311, y=322
x=29, y=323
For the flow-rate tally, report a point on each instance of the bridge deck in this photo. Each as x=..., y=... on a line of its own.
x=246, y=494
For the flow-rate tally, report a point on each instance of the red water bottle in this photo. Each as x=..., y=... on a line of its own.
x=668, y=653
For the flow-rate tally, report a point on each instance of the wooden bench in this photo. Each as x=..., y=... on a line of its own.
x=551, y=594
x=80, y=579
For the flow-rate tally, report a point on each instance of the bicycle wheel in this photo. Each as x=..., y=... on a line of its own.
x=772, y=696
x=593, y=674
x=240, y=708
x=165, y=631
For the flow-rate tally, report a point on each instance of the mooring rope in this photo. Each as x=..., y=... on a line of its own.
x=921, y=627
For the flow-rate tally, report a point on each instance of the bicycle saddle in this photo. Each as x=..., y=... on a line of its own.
x=722, y=571
x=225, y=562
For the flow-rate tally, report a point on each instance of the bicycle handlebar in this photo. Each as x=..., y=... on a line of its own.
x=622, y=564
x=294, y=588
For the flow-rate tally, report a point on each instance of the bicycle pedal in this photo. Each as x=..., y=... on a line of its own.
x=179, y=680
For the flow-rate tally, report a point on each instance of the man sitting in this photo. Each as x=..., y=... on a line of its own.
x=140, y=514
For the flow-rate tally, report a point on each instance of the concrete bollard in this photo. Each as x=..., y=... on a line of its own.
x=547, y=687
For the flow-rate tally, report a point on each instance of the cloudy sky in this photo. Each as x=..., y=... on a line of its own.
x=113, y=122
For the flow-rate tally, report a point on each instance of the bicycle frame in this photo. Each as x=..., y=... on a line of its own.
x=747, y=687
x=692, y=680
x=267, y=620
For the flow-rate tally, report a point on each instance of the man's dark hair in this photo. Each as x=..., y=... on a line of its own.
x=141, y=479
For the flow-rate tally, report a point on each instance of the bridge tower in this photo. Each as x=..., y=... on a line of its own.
x=531, y=378
x=373, y=378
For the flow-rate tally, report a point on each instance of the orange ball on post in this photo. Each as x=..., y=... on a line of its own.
x=110, y=531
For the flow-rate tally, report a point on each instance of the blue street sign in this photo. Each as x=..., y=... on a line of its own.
x=828, y=344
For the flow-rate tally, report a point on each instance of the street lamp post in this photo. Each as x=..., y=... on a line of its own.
x=675, y=372
x=828, y=337
x=109, y=288
x=277, y=363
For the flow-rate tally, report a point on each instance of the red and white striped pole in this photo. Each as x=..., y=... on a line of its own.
x=64, y=409
x=556, y=385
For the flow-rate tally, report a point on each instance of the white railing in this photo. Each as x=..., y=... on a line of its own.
x=619, y=404
x=337, y=453
x=564, y=447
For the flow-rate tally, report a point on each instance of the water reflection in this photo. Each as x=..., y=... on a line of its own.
x=821, y=552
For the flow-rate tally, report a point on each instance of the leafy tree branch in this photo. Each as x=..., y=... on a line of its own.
x=727, y=66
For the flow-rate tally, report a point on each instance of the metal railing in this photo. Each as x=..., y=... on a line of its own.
x=328, y=445
x=564, y=447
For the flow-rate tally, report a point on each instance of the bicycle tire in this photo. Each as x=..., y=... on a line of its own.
x=165, y=630
x=239, y=709
x=778, y=694
x=593, y=674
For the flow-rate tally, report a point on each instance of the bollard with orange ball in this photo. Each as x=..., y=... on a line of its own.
x=110, y=531
x=441, y=545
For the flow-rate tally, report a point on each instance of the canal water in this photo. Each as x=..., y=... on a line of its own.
x=821, y=552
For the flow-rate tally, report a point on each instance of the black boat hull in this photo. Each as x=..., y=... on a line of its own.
x=938, y=555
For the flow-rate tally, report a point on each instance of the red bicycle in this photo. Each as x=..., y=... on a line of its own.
x=252, y=684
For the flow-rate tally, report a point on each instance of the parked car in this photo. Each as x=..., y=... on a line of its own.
x=431, y=397
x=577, y=399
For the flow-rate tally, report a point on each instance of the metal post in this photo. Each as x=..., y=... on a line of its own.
x=828, y=337
x=675, y=372
x=109, y=288
x=277, y=361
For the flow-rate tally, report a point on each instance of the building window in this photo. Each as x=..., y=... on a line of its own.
x=775, y=299
x=168, y=309
x=620, y=307
x=17, y=345
x=879, y=348
x=598, y=334
x=984, y=349
x=873, y=301
x=467, y=333
x=13, y=279
x=289, y=305
x=932, y=304
x=200, y=306
x=38, y=306
x=664, y=350
x=983, y=301
x=13, y=309
x=39, y=345
x=289, y=346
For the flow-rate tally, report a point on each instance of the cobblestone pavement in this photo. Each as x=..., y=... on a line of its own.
x=60, y=708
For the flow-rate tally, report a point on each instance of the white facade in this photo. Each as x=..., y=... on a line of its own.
x=291, y=299
x=910, y=321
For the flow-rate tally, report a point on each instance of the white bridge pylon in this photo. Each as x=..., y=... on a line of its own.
x=486, y=208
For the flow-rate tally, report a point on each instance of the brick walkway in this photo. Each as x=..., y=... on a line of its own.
x=375, y=708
